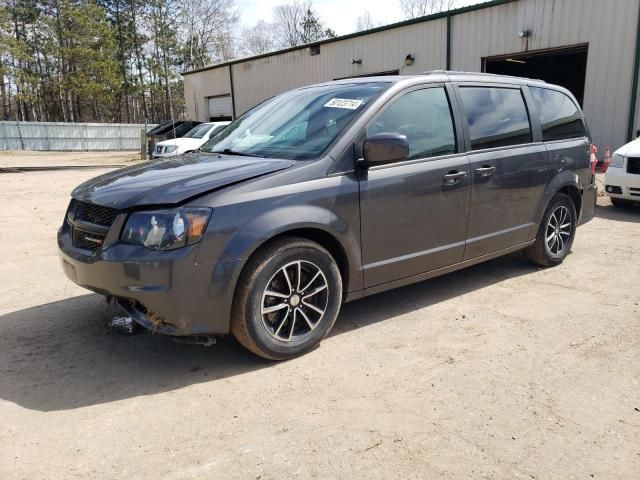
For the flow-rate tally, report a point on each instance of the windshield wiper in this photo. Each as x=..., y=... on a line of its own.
x=228, y=151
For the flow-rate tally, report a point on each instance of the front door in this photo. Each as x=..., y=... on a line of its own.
x=508, y=171
x=414, y=212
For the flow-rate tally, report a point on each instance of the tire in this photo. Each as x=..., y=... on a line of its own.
x=553, y=244
x=271, y=279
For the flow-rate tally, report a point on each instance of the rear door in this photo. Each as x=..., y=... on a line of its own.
x=508, y=170
x=566, y=138
x=414, y=212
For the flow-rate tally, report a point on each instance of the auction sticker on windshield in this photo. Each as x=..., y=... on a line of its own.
x=348, y=103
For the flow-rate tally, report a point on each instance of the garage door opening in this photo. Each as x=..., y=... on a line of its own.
x=566, y=67
x=219, y=108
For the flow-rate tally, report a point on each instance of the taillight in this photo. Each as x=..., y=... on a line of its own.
x=594, y=158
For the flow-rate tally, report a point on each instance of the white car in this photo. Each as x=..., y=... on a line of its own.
x=192, y=140
x=622, y=180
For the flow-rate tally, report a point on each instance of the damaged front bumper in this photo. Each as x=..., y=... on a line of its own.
x=166, y=292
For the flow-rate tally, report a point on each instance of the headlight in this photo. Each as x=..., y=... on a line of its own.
x=171, y=148
x=617, y=161
x=166, y=229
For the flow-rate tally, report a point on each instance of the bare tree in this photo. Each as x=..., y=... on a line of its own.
x=364, y=22
x=420, y=8
x=287, y=19
x=207, y=27
x=258, y=39
x=297, y=23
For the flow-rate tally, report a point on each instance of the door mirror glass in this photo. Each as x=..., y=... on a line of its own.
x=385, y=148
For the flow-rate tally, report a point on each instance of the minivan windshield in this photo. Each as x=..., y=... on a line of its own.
x=199, y=131
x=298, y=125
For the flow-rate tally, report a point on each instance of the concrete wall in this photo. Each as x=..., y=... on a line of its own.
x=607, y=26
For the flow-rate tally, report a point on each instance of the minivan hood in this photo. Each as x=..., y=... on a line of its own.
x=172, y=181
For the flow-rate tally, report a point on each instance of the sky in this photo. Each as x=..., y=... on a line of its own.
x=340, y=15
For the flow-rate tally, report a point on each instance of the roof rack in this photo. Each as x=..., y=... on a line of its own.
x=480, y=74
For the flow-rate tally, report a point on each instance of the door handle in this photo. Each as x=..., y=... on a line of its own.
x=485, y=171
x=452, y=178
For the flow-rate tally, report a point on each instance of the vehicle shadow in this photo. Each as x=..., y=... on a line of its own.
x=59, y=356
x=630, y=213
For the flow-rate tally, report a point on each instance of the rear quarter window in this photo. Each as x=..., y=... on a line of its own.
x=559, y=115
x=497, y=117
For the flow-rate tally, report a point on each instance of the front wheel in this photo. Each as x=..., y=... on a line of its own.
x=555, y=233
x=288, y=299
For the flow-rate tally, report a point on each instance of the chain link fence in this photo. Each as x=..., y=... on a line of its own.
x=59, y=136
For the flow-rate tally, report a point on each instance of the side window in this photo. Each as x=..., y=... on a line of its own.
x=497, y=117
x=424, y=116
x=559, y=116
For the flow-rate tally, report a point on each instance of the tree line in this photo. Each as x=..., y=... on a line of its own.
x=121, y=60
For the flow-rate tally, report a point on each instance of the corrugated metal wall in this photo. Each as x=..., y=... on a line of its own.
x=199, y=86
x=257, y=80
x=69, y=136
x=607, y=26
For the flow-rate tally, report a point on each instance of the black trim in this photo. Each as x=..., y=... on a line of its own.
x=634, y=85
x=413, y=21
x=233, y=95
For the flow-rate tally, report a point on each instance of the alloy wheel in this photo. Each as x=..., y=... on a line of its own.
x=558, y=231
x=294, y=301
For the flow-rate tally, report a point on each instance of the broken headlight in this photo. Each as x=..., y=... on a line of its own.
x=166, y=229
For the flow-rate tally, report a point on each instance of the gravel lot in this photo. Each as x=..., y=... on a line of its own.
x=499, y=371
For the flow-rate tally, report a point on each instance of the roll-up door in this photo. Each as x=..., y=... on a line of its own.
x=220, y=107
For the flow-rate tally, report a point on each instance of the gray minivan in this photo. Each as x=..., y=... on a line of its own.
x=329, y=193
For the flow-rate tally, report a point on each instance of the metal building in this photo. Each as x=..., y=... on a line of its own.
x=592, y=47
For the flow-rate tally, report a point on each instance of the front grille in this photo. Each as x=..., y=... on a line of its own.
x=97, y=214
x=633, y=166
x=89, y=224
x=87, y=240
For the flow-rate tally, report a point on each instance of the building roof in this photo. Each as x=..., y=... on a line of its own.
x=413, y=21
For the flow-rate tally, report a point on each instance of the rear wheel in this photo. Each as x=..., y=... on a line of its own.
x=555, y=233
x=288, y=299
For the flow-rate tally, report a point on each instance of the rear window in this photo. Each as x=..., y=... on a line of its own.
x=559, y=116
x=497, y=117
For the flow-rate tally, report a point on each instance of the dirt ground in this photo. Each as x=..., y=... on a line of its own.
x=500, y=371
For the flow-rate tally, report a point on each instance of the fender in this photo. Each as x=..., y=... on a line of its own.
x=565, y=178
x=295, y=217
x=243, y=221
x=248, y=239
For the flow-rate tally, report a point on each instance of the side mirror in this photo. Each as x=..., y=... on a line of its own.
x=385, y=148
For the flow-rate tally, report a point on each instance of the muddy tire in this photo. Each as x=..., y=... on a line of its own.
x=287, y=300
x=555, y=233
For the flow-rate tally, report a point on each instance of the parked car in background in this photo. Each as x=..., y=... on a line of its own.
x=167, y=130
x=330, y=193
x=190, y=142
x=622, y=180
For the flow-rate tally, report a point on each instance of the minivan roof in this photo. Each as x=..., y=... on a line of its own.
x=444, y=75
